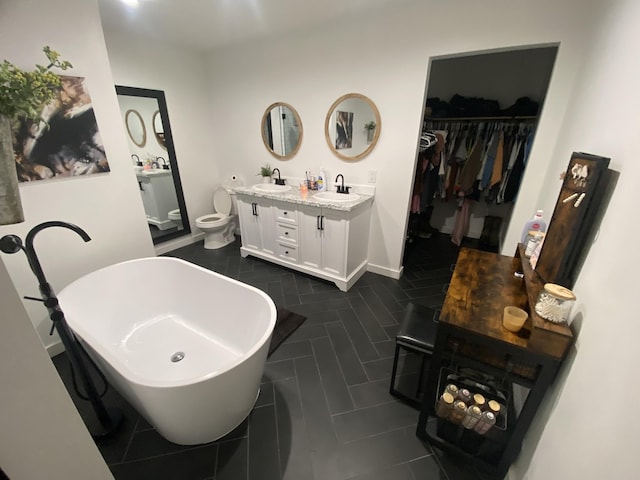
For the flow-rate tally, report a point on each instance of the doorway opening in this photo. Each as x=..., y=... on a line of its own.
x=480, y=115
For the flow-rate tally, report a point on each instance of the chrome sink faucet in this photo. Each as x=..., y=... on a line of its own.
x=341, y=188
x=279, y=181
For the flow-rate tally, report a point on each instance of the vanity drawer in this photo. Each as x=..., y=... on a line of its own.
x=287, y=252
x=285, y=215
x=287, y=232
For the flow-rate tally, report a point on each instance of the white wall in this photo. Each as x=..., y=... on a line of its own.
x=107, y=205
x=41, y=432
x=384, y=57
x=589, y=433
x=181, y=75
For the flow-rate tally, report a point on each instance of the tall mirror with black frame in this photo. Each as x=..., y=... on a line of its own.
x=145, y=116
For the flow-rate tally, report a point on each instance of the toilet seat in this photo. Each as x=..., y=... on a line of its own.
x=175, y=215
x=222, y=205
x=222, y=201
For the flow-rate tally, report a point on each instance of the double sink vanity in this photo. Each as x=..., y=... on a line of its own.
x=324, y=234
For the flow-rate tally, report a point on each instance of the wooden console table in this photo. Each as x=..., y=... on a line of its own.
x=474, y=348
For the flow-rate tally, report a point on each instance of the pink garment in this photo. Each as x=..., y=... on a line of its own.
x=417, y=185
x=461, y=225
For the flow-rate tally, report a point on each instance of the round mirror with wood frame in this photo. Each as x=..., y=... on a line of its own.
x=281, y=130
x=135, y=127
x=158, y=129
x=352, y=126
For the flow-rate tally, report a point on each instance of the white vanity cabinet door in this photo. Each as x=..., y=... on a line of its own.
x=323, y=239
x=256, y=224
x=334, y=241
x=310, y=237
x=159, y=198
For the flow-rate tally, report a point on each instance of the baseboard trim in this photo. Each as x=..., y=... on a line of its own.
x=385, y=271
x=55, y=349
x=165, y=247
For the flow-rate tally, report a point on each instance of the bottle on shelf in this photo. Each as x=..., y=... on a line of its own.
x=444, y=405
x=536, y=224
x=452, y=389
x=464, y=395
x=487, y=420
x=458, y=412
x=472, y=417
x=479, y=401
x=493, y=407
x=322, y=180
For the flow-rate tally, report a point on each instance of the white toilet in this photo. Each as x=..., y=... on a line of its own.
x=219, y=227
x=175, y=217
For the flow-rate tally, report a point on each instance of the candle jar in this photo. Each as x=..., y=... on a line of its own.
x=555, y=302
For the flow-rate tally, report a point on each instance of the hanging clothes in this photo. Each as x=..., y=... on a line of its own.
x=461, y=226
x=496, y=172
x=471, y=168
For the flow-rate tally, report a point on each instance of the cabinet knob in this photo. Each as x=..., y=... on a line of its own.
x=285, y=213
x=286, y=233
x=286, y=252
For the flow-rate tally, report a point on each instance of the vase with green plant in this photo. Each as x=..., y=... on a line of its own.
x=23, y=94
x=265, y=173
x=370, y=127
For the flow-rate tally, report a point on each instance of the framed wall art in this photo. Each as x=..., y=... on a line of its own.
x=66, y=142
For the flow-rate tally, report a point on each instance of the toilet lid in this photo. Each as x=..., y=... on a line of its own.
x=222, y=201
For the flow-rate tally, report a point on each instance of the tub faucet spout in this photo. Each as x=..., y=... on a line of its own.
x=30, y=251
x=109, y=419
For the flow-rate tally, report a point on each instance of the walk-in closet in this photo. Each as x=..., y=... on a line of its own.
x=480, y=117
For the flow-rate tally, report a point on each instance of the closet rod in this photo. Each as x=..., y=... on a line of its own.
x=475, y=119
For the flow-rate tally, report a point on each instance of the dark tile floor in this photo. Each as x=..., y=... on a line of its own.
x=324, y=411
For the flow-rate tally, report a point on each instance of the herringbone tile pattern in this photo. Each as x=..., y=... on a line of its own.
x=324, y=410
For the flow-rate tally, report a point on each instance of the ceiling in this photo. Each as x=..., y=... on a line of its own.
x=209, y=24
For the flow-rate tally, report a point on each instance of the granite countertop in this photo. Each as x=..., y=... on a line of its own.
x=294, y=196
x=156, y=172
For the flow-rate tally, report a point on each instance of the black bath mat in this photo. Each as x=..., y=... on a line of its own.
x=286, y=324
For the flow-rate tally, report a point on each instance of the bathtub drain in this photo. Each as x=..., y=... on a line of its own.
x=176, y=357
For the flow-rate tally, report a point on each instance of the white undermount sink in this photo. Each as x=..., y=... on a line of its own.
x=271, y=187
x=334, y=197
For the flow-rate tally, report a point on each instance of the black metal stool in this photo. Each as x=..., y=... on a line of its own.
x=417, y=334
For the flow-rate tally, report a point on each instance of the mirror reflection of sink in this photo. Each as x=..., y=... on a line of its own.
x=271, y=187
x=332, y=197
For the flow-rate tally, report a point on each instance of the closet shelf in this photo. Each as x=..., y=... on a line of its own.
x=476, y=119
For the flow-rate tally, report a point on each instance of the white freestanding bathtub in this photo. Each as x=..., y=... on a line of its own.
x=184, y=345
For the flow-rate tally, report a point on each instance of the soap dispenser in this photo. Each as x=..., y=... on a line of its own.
x=322, y=181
